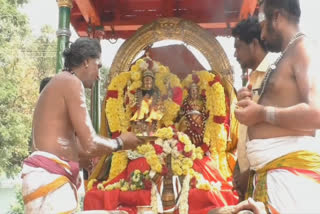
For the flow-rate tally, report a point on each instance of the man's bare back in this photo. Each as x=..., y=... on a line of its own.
x=52, y=129
x=61, y=123
x=63, y=133
x=282, y=91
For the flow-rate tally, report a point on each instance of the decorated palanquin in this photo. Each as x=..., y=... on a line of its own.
x=186, y=163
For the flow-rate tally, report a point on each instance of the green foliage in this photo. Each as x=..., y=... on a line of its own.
x=43, y=51
x=18, y=2
x=17, y=91
x=18, y=206
x=20, y=75
x=12, y=22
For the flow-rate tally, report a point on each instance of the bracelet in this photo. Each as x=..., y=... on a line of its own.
x=270, y=115
x=119, y=143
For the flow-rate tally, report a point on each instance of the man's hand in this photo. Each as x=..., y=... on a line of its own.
x=250, y=204
x=249, y=113
x=130, y=141
x=245, y=93
x=85, y=163
x=240, y=182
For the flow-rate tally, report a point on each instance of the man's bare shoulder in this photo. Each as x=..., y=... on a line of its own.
x=304, y=54
x=67, y=82
x=305, y=49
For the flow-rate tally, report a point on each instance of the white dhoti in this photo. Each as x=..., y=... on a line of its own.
x=46, y=192
x=289, y=187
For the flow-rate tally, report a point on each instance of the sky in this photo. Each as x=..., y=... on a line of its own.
x=45, y=12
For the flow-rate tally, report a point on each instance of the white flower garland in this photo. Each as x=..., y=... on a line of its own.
x=154, y=198
x=184, y=204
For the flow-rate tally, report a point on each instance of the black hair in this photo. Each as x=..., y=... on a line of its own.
x=247, y=30
x=43, y=83
x=291, y=7
x=79, y=51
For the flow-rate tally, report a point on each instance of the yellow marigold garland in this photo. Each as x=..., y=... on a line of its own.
x=171, y=110
x=114, y=113
x=215, y=135
x=150, y=154
x=119, y=116
x=118, y=164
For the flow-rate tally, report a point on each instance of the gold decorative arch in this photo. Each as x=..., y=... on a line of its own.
x=190, y=33
x=175, y=29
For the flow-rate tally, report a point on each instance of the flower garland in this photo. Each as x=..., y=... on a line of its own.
x=184, y=202
x=123, y=87
x=118, y=164
x=154, y=198
x=183, y=154
x=148, y=151
x=115, y=114
x=215, y=135
x=138, y=180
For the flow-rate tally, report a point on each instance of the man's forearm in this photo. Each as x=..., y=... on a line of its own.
x=103, y=146
x=299, y=117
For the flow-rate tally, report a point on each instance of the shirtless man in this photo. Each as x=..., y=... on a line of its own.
x=251, y=53
x=282, y=150
x=62, y=131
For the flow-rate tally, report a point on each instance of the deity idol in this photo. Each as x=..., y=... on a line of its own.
x=193, y=115
x=146, y=106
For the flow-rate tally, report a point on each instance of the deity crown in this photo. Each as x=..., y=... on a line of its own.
x=193, y=85
x=148, y=73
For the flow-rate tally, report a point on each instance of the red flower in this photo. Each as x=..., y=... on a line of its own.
x=158, y=149
x=227, y=128
x=164, y=170
x=132, y=92
x=112, y=94
x=174, y=129
x=217, y=79
x=193, y=182
x=147, y=184
x=204, y=147
x=219, y=119
x=187, y=154
x=180, y=146
x=177, y=95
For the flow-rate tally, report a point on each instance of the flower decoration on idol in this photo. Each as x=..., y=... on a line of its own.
x=176, y=144
x=215, y=133
x=138, y=180
x=123, y=87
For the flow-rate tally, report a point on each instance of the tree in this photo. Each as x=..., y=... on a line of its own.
x=43, y=52
x=24, y=61
x=17, y=89
x=18, y=206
